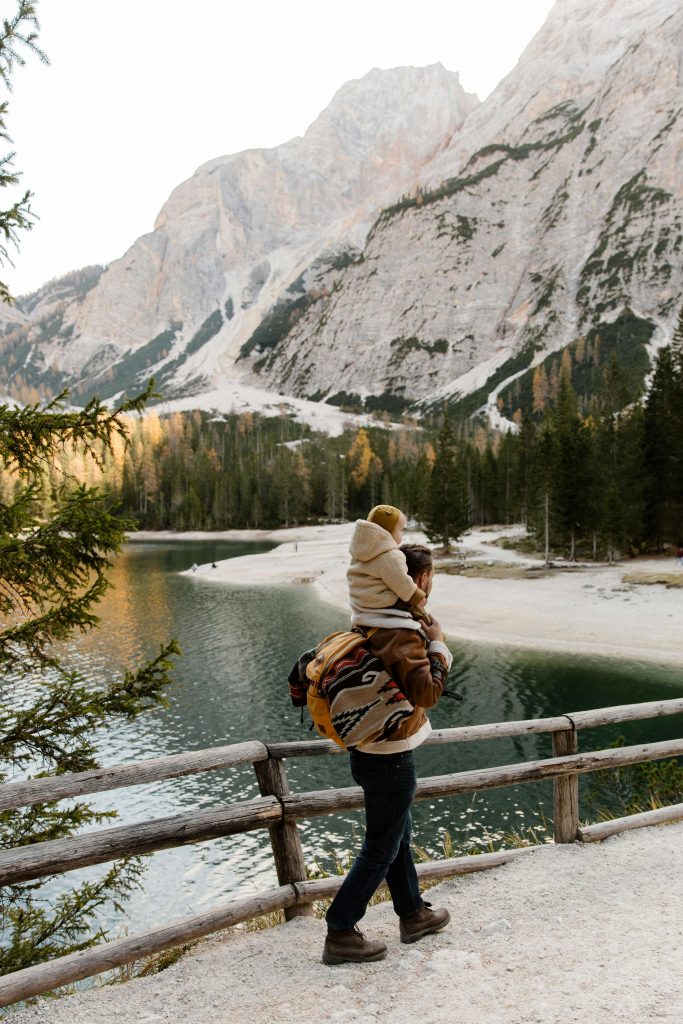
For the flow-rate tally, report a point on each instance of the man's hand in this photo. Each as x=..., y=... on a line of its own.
x=434, y=631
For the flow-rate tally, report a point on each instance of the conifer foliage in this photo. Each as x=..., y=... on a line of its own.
x=594, y=483
x=19, y=34
x=663, y=445
x=447, y=508
x=57, y=536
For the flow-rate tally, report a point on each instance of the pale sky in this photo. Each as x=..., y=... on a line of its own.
x=139, y=93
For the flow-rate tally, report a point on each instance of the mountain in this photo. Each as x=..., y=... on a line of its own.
x=554, y=216
x=414, y=245
x=243, y=231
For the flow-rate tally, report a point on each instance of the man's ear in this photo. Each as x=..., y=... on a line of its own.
x=422, y=580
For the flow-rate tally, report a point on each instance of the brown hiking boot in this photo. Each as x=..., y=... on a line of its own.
x=351, y=947
x=423, y=922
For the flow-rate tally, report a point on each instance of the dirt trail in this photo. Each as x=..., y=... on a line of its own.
x=592, y=935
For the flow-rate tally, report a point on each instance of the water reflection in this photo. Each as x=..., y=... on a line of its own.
x=239, y=643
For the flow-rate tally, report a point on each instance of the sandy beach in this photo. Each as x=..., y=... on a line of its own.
x=583, y=609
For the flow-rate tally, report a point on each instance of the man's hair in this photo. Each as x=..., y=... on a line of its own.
x=418, y=557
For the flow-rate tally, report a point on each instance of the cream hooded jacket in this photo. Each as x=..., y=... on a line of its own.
x=378, y=574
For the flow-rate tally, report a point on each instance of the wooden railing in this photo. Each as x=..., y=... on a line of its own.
x=278, y=810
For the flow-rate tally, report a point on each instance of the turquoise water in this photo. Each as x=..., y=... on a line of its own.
x=239, y=644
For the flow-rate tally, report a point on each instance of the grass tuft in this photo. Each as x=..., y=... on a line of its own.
x=667, y=579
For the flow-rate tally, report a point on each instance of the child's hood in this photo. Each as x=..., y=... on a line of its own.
x=369, y=540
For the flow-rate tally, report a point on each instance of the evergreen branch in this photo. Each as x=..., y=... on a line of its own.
x=55, y=729
x=12, y=599
x=144, y=688
x=31, y=639
x=19, y=31
x=54, y=554
x=43, y=822
x=32, y=437
x=39, y=934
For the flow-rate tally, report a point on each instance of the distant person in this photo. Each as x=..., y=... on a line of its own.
x=378, y=578
x=679, y=555
x=415, y=655
x=194, y=567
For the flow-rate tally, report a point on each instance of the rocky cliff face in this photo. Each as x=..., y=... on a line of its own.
x=242, y=231
x=556, y=208
x=549, y=216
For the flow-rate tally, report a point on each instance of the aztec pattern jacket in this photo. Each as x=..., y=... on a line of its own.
x=419, y=667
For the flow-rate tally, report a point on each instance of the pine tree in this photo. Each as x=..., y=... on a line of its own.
x=447, y=511
x=677, y=339
x=661, y=450
x=523, y=470
x=616, y=502
x=677, y=453
x=572, y=481
x=612, y=519
x=418, y=498
x=57, y=536
x=542, y=478
x=17, y=35
x=54, y=556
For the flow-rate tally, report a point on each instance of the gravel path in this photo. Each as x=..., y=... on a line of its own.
x=588, y=934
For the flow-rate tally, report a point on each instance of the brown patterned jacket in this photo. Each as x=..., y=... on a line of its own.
x=419, y=667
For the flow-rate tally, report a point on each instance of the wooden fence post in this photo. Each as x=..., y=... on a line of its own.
x=288, y=852
x=566, y=790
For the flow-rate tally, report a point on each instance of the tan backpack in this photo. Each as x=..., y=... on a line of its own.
x=350, y=695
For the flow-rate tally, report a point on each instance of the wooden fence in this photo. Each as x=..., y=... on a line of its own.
x=277, y=809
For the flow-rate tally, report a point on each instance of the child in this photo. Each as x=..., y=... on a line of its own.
x=378, y=575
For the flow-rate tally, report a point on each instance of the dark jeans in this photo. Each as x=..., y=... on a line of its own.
x=389, y=783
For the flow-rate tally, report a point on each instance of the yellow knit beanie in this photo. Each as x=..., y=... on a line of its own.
x=385, y=515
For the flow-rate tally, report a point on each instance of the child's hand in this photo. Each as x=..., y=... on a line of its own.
x=434, y=631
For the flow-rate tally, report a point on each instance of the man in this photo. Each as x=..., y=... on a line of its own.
x=418, y=660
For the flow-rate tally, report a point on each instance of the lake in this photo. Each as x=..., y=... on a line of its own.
x=239, y=644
